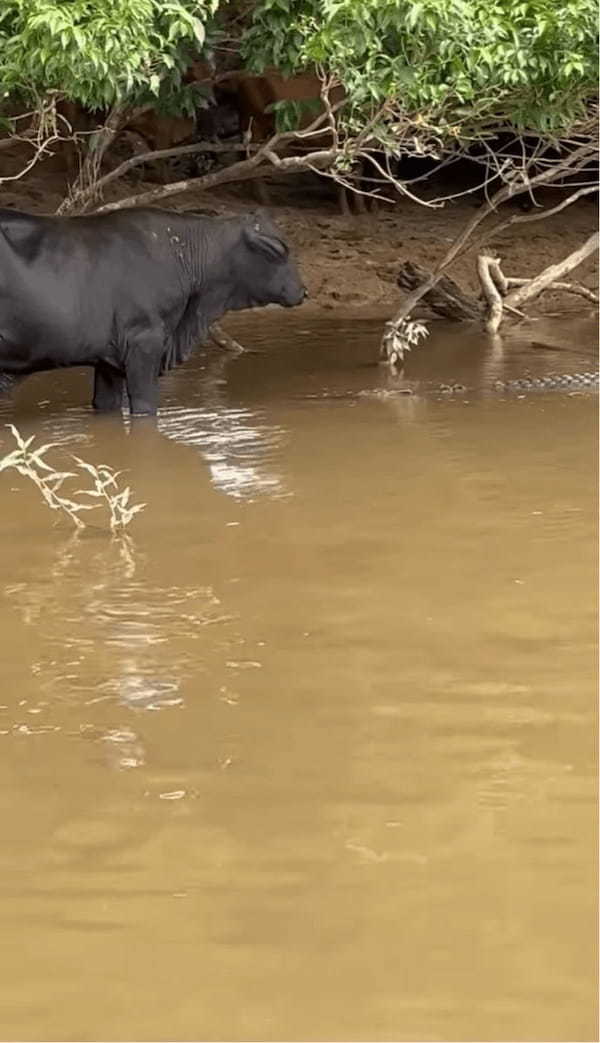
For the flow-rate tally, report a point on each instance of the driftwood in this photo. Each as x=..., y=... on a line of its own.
x=499, y=293
x=446, y=298
x=493, y=284
x=554, y=272
x=223, y=340
x=464, y=241
x=567, y=287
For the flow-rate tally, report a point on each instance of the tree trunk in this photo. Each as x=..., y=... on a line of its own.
x=446, y=298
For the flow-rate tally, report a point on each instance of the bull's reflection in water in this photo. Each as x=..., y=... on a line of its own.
x=239, y=445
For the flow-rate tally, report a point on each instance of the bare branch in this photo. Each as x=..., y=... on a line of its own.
x=494, y=288
x=461, y=243
x=327, y=83
x=241, y=171
x=525, y=218
x=400, y=187
x=566, y=287
x=553, y=273
x=46, y=129
x=245, y=170
x=89, y=194
x=42, y=149
x=100, y=140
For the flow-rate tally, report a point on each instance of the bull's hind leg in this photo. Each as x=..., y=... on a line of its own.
x=108, y=389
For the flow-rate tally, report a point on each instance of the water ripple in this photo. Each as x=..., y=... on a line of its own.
x=239, y=446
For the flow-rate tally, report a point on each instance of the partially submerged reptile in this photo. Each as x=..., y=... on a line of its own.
x=558, y=381
x=570, y=382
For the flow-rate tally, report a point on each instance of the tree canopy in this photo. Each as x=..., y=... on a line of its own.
x=415, y=75
x=99, y=52
x=446, y=65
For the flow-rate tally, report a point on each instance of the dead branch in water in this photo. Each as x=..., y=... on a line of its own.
x=494, y=286
x=463, y=241
x=449, y=300
x=446, y=298
x=223, y=340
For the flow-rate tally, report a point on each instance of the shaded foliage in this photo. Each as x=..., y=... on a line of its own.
x=100, y=52
x=452, y=67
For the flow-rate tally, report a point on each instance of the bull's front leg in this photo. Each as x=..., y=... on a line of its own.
x=109, y=386
x=142, y=367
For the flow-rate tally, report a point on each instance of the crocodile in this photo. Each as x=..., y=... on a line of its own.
x=551, y=382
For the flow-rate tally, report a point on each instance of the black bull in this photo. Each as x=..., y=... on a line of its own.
x=130, y=293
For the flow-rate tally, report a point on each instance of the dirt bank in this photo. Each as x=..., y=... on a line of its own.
x=352, y=262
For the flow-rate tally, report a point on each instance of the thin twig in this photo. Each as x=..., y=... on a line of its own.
x=567, y=287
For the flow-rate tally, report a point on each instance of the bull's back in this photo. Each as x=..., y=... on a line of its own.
x=63, y=282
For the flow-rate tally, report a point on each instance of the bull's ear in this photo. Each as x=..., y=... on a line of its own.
x=267, y=244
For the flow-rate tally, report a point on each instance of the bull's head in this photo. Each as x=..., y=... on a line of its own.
x=269, y=273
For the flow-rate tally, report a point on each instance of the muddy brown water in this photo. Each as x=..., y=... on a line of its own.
x=313, y=756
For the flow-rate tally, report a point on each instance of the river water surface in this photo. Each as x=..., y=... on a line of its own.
x=312, y=756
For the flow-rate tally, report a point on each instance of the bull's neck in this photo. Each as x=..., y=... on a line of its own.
x=213, y=301
x=210, y=269
x=219, y=293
